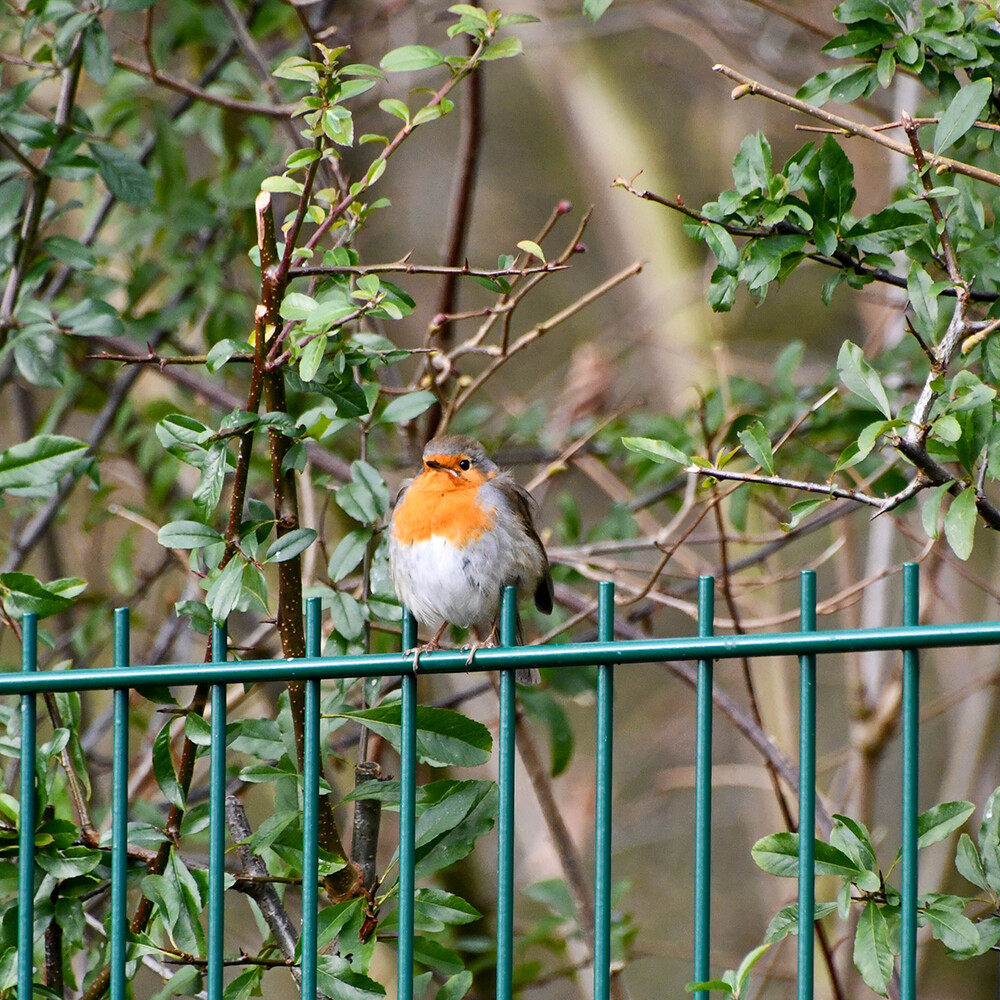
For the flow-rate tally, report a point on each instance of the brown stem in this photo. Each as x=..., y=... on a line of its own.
x=54, y=953
x=258, y=887
x=291, y=629
x=38, y=193
x=941, y=164
x=367, y=819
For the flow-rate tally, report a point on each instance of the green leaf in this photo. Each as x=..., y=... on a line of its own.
x=861, y=378
x=22, y=592
x=960, y=523
x=394, y=106
x=923, y=297
x=853, y=838
x=409, y=58
x=786, y=920
x=931, y=509
x=435, y=955
x=659, y=451
x=989, y=840
x=595, y=8
x=530, y=246
x=407, y=407
x=289, y=545
x=800, y=511
x=503, y=49
x=778, y=854
x=758, y=446
x=968, y=862
x=163, y=767
x=349, y=552
x=336, y=980
x=949, y=925
x=447, y=830
x=187, y=535
x=224, y=592
x=312, y=357
x=965, y=108
x=39, y=462
x=968, y=392
x=939, y=821
x=347, y=614
x=709, y=984
x=214, y=465
x=366, y=497
x=71, y=252
x=455, y=987
x=69, y=862
x=872, y=952
x=39, y=359
x=221, y=352
x=297, y=305
x=445, y=738
x=436, y=909
x=124, y=176
x=745, y=967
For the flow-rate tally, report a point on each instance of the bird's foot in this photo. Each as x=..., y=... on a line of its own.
x=428, y=647
x=416, y=651
x=489, y=642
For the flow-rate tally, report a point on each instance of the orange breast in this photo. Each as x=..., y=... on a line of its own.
x=438, y=504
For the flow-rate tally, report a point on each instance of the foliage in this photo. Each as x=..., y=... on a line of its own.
x=930, y=402
x=966, y=925
x=248, y=284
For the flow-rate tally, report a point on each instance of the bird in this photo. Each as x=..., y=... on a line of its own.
x=460, y=532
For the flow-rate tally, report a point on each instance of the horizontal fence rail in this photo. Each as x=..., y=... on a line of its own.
x=807, y=645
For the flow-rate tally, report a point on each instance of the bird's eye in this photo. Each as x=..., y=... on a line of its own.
x=465, y=465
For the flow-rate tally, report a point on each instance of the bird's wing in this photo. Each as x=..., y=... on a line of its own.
x=526, y=508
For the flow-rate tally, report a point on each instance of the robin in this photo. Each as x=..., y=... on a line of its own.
x=460, y=532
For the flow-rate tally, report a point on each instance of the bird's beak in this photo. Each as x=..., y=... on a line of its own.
x=431, y=464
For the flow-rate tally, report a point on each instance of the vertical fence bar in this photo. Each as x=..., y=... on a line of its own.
x=26, y=817
x=310, y=809
x=119, y=811
x=217, y=824
x=911, y=709
x=602, y=811
x=703, y=790
x=407, y=815
x=807, y=790
x=505, y=819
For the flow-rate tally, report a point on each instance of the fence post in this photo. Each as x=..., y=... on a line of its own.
x=703, y=790
x=310, y=809
x=407, y=815
x=217, y=824
x=26, y=817
x=911, y=709
x=505, y=818
x=119, y=811
x=602, y=811
x=807, y=790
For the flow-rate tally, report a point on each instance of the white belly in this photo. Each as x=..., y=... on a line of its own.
x=440, y=583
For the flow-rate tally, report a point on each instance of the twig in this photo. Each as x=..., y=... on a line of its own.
x=941, y=164
x=283, y=111
x=261, y=891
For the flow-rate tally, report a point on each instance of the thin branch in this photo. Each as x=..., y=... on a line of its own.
x=261, y=891
x=941, y=164
x=192, y=90
x=826, y=489
x=538, y=331
x=403, y=267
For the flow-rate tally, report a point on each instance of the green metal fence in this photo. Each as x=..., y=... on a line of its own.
x=705, y=648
